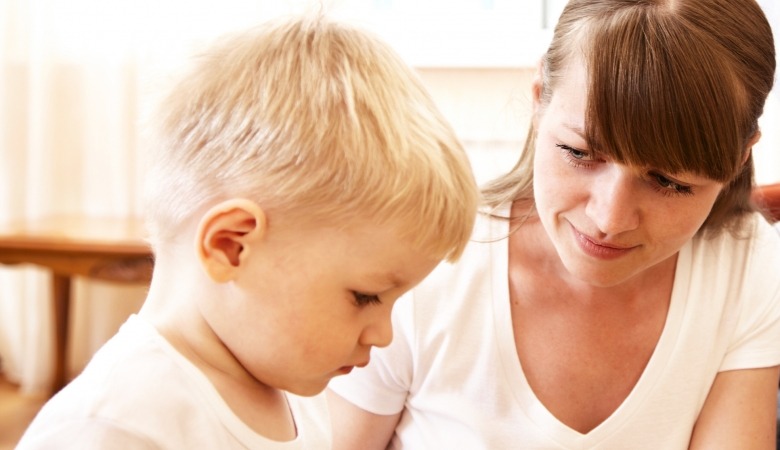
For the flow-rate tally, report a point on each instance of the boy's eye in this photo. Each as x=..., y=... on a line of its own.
x=366, y=299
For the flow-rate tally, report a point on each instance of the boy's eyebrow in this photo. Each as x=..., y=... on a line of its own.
x=384, y=278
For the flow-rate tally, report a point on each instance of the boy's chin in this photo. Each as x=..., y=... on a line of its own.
x=309, y=389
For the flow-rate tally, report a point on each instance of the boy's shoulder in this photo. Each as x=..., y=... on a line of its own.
x=139, y=391
x=135, y=388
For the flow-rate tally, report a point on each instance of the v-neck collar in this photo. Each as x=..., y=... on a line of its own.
x=513, y=372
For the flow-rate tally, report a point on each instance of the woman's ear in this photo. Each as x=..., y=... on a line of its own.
x=224, y=233
x=749, y=147
x=536, y=90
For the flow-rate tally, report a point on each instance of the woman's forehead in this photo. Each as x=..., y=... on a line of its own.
x=569, y=114
x=568, y=98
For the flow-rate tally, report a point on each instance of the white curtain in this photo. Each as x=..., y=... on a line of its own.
x=68, y=144
x=62, y=148
x=76, y=80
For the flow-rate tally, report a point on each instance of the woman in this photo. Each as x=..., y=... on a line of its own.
x=620, y=291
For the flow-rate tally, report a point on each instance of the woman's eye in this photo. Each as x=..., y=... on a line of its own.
x=669, y=187
x=366, y=299
x=574, y=156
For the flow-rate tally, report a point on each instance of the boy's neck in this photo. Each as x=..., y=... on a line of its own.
x=261, y=407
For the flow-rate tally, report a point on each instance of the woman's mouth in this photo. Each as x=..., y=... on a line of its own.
x=598, y=249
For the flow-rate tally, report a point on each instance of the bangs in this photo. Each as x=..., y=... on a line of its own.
x=645, y=108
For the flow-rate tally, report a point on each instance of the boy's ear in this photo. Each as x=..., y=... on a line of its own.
x=223, y=236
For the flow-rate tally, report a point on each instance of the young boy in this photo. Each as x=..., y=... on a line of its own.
x=304, y=181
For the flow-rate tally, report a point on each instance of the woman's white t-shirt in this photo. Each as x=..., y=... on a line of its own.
x=453, y=369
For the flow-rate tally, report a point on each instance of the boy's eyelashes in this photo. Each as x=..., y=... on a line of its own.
x=362, y=299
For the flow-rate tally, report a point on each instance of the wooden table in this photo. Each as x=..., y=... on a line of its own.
x=69, y=246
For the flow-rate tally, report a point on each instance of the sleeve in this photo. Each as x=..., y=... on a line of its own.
x=84, y=434
x=756, y=339
x=383, y=385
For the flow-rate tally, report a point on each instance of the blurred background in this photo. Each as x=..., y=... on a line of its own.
x=78, y=79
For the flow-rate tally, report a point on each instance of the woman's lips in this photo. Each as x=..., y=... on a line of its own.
x=601, y=250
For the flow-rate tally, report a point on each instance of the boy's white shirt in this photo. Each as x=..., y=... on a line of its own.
x=453, y=368
x=139, y=392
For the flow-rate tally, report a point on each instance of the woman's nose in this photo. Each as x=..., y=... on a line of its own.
x=613, y=204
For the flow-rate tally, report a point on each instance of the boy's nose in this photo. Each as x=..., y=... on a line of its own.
x=613, y=203
x=379, y=333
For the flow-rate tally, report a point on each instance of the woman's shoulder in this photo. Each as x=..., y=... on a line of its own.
x=487, y=243
x=755, y=234
x=747, y=255
x=471, y=280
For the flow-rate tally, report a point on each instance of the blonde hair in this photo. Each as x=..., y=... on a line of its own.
x=317, y=121
x=677, y=85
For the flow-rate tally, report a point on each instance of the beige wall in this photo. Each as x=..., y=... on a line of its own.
x=483, y=104
x=490, y=110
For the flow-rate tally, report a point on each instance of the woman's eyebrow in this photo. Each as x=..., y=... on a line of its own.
x=576, y=128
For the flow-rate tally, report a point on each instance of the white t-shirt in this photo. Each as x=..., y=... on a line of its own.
x=138, y=392
x=454, y=372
